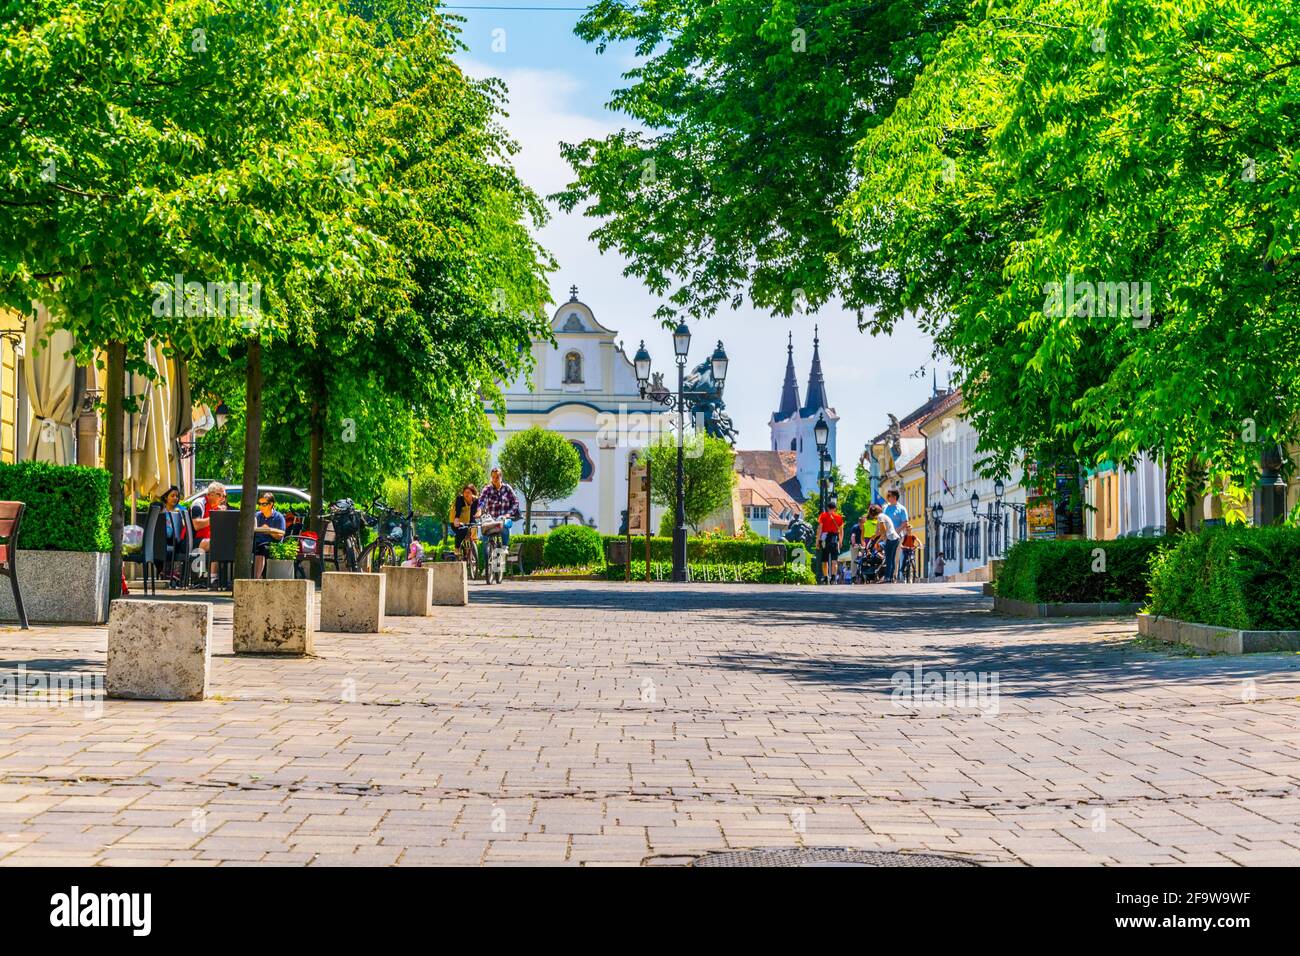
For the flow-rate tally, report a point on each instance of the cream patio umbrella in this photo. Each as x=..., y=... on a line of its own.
x=49, y=372
x=151, y=444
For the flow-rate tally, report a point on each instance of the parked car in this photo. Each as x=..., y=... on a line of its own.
x=235, y=492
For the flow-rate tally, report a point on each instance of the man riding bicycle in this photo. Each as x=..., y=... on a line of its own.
x=499, y=501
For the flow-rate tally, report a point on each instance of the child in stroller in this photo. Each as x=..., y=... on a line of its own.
x=868, y=564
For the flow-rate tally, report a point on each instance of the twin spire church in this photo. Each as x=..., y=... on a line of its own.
x=792, y=423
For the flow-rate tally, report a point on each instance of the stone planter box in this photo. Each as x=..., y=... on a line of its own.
x=450, y=583
x=1013, y=608
x=273, y=617
x=1220, y=640
x=352, y=602
x=158, y=650
x=408, y=592
x=59, y=587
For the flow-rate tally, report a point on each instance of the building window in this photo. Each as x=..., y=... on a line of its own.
x=573, y=368
x=588, y=468
x=794, y=444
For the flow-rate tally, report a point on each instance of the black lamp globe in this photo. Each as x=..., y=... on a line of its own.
x=719, y=361
x=999, y=489
x=938, y=511
x=681, y=340
x=642, y=362
x=821, y=433
x=975, y=503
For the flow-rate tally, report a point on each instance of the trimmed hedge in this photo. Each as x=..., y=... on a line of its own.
x=573, y=546
x=1044, y=572
x=67, y=505
x=701, y=550
x=750, y=572
x=1242, y=578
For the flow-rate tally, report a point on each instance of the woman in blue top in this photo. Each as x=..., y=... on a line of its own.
x=269, y=527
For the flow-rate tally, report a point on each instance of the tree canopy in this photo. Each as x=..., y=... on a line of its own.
x=541, y=465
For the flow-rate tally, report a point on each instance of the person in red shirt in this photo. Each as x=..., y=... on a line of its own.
x=830, y=525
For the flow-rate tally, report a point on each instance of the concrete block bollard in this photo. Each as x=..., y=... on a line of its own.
x=273, y=616
x=158, y=650
x=409, y=591
x=450, y=583
x=352, y=602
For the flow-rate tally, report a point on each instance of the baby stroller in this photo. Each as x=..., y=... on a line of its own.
x=868, y=565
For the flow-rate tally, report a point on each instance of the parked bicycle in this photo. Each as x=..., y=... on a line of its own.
x=393, y=530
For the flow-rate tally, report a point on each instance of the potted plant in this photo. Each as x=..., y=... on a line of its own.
x=281, y=558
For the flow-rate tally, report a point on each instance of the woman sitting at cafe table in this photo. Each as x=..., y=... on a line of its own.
x=269, y=528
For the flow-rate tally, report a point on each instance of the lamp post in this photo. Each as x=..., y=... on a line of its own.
x=679, y=403
x=821, y=435
x=937, y=511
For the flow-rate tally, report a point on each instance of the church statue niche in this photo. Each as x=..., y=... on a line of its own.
x=573, y=369
x=573, y=323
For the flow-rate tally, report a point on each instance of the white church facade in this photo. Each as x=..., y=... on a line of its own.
x=581, y=386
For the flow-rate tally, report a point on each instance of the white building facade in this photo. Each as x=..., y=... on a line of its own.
x=966, y=540
x=583, y=387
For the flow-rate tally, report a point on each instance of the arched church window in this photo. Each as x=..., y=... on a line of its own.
x=794, y=444
x=588, y=467
x=573, y=368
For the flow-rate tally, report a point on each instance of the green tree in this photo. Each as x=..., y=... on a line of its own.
x=751, y=114
x=708, y=476
x=1086, y=205
x=541, y=465
x=388, y=374
x=142, y=142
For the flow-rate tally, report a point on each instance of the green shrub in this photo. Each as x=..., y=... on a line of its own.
x=751, y=572
x=283, y=550
x=1045, y=572
x=573, y=546
x=67, y=505
x=1242, y=578
x=530, y=550
x=703, y=550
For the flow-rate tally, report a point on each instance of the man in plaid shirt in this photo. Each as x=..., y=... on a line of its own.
x=499, y=501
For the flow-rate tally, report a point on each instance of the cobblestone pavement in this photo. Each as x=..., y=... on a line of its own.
x=588, y=723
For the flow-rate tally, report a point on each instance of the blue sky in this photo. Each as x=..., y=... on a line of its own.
x=558, y=87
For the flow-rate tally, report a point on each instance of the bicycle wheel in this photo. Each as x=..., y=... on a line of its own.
x=350, y=555
x=378, y=555
x=469, y=554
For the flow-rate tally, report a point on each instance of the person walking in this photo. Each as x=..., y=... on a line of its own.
x=885, y=533
x=897, y=516
x=830, y=524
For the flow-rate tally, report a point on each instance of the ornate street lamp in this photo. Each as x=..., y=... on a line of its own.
x=975, y=503
x=678, y=403
x=719, y=362
x=821, y=435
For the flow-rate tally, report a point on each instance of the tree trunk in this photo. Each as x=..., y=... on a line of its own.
x=316, y=482
x=528, y=515
x=113, y=412
x=252, y=460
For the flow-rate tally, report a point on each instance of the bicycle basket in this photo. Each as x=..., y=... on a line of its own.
x=345, y=518
x=492, y=526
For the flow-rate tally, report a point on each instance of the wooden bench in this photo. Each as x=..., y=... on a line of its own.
x=11, y=522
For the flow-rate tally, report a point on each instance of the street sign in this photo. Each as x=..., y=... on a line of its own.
x=638, y=508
